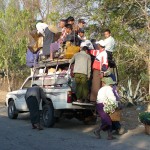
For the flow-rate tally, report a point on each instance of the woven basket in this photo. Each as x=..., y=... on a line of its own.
x=116, y=116
x=147, y=129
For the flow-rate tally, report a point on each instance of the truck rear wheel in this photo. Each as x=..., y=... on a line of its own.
x=48, y=115
x=90, y=118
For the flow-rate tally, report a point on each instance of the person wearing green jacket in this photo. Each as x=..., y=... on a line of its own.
x=82, y=71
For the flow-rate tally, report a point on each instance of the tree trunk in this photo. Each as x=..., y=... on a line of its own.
x=148, y=107
x=149, y=71
x=7, y=73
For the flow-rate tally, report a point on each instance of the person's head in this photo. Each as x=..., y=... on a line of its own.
x=81, y=32
x=62, y=23
x=41, y=21
x=84, y=48
x=70, y=20
x=101, y=44
x=69, y=28
x=81, y=23
x=93, y=40
x=108, y=81
x=107, y=33
x=33, y=85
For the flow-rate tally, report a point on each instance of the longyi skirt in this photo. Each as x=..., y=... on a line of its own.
x=106, y=123
x=33, y=106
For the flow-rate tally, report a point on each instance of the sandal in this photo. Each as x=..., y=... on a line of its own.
x=34, y=126
x=111, y=138
x=97, y=135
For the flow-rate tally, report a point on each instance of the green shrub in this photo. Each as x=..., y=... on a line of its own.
x=144, y=118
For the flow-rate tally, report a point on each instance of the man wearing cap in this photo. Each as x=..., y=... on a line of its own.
x=104, y=94
x=100, y=64
x=82, y=70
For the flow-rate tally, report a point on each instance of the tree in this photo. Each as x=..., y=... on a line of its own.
x=13, y=39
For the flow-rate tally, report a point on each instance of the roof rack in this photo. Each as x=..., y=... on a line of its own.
x=47, y=63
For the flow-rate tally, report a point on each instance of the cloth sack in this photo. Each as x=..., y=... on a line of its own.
x=70, y=50
x=31, y=58
x=35, y=41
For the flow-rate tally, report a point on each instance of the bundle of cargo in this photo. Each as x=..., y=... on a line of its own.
x=70, y=50
x=35, y=41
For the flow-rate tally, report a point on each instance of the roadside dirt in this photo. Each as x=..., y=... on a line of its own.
x=129, y=119
x=2, y=96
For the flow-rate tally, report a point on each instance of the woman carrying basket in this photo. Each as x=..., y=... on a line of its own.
x=106, y=103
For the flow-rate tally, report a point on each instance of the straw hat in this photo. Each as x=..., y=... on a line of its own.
x=108, y=81
x=54, y=29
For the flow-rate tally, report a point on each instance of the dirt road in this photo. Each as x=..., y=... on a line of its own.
x=65, y=135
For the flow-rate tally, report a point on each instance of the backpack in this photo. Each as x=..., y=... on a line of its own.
x=31, y=58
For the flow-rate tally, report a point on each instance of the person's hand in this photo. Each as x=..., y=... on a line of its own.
x=48, y=102
x=101, y=75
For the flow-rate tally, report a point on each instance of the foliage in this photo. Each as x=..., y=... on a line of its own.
x=129, y=21
x=144, y=117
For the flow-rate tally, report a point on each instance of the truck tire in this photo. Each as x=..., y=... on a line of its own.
x=48, y=115
x=12, y=112
x=90, y=121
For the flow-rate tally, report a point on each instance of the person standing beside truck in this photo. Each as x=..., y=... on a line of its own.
x=33, y=98
x=82, y=71
x=100, y=64
x=109, y=44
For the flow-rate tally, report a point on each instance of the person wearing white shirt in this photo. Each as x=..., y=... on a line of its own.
x=105, y=93
x=81, y=35
x=109, y=41
x=109, y=44
x=48, y=37
x=41, y=28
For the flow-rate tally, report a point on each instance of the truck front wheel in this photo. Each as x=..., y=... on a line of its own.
x=12, y=112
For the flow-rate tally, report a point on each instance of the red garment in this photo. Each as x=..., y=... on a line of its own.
x=100, y=59
x=63, y=35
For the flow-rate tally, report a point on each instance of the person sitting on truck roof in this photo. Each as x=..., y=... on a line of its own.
x=71, y=35
x=81, y=35
x=71, y=20
x=82, y=70
x=48, y=37
x=80, y=25
x=62, y=24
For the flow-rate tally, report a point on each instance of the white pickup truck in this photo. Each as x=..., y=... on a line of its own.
x=58, y=92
